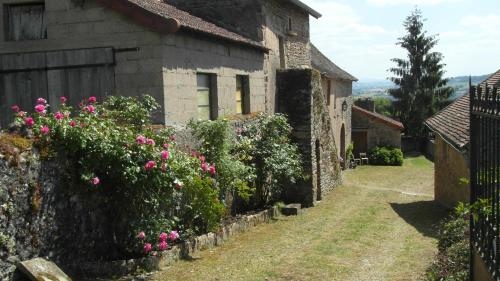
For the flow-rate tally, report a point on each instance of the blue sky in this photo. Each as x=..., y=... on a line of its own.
x=360, y=35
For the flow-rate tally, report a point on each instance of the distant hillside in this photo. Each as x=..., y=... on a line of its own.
x=378, y=88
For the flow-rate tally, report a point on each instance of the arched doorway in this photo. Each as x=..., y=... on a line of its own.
x=318, y=171
x=342, y=145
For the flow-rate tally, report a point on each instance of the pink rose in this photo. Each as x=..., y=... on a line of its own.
x=141, y=235
x=212, y=170
x=95, y=181
x=58, y=116
x=72, y=123
x=63, y=99
x=204, y=167
x=40, y=108
x=162, y=246
x=21, y=114
x=29, y=122
x=150, y=165
x=202, y=159
x=165, y=155
x=163, y=236
x=45, y=130
x=140, y=139
x=173, y=235
x=193, y=153
x=173, y=138
x=90, y=108
x=92, y=99
x=150, y=142
x=147, y=248
x=15, y=108
x=166, y=145
x=41, y=101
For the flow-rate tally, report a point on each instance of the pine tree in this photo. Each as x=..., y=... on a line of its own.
x=421, y=90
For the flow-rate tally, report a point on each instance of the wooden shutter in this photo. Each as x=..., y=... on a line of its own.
x=25, y=22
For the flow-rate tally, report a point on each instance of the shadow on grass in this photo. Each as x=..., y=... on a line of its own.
x=423, y=215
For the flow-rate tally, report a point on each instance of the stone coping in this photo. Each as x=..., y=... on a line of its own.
x=184, y=250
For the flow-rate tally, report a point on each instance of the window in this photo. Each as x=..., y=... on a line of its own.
x=290, y=25
x=206, y=97
x=25, y=22
x=242, y=95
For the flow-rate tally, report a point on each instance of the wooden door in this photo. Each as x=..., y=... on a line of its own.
x=360, y=140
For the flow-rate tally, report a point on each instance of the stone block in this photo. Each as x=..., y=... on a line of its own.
x=292, y=210
x=41, y=269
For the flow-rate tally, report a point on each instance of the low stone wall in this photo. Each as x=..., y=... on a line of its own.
x=184, y=250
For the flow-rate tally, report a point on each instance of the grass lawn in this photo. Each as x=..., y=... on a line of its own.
x=379, y=225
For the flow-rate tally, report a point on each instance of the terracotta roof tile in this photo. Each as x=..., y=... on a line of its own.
x=379, y=117
x=325, y=65
x=452, y=123
x=493, y=80
x=167, y=12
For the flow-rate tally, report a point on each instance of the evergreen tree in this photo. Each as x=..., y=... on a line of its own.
x=421, y=91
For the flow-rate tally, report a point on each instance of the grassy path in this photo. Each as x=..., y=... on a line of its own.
x=378, y=226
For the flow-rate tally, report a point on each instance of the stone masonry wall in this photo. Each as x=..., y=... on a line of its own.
x=40, y=216
x=378, y=134
x=300, y=96
x=449, y=167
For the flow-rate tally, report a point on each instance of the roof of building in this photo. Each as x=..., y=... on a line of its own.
x=327, y=67
x=379, y=118
x=493, y=80
x=452, y=123
x=166, y=18
x=308, y=9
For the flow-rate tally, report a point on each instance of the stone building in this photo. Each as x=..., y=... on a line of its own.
x=337, y=89
x=371, y=129
x=451, y=127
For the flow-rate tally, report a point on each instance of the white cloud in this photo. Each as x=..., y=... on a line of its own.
x=410, y=2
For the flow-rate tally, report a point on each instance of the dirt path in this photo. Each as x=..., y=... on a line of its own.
x=378, y=226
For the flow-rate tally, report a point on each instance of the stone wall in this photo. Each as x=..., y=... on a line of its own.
x=40, y=216
x=450, y=167
x=147, y=62
x=300, y=96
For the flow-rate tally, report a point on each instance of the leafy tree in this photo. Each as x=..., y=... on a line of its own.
x=421, y=90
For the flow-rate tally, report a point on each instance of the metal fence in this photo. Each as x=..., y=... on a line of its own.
x=485, y=174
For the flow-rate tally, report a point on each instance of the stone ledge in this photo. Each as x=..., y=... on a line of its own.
x=184, y=250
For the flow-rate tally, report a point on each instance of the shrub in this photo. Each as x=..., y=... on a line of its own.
x=265, y=144
x=148, y=184
x=388, y=156
x=349, y=153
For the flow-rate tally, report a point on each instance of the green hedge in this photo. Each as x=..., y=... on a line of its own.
x=387, y=156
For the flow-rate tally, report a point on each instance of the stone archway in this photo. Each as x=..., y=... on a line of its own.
x=342, y=145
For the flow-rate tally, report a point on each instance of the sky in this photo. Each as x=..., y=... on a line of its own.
x=360, y=35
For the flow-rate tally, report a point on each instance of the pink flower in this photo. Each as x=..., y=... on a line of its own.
x=45, y=130
x=165, y=155
x=212, y=170
x=40, y=108
x=58, y=116
x=162, y=246
x=67, y=114
x=147, y=248
x=15, y=108
x=150, y=165
x=166, y=145
x=63, y=99
x=193, y=153
x=140, y=139
x=150, y=142
x=95, y=181
x=21, y=114
x=29, y=122
x=92, y=99
x=141, y=235
x=173, y=235
x=163, y=236
x=90, y=108
x=204, y=167
x=173, y=138
x=41, y=101
x=202, y=159
x=72, y=123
